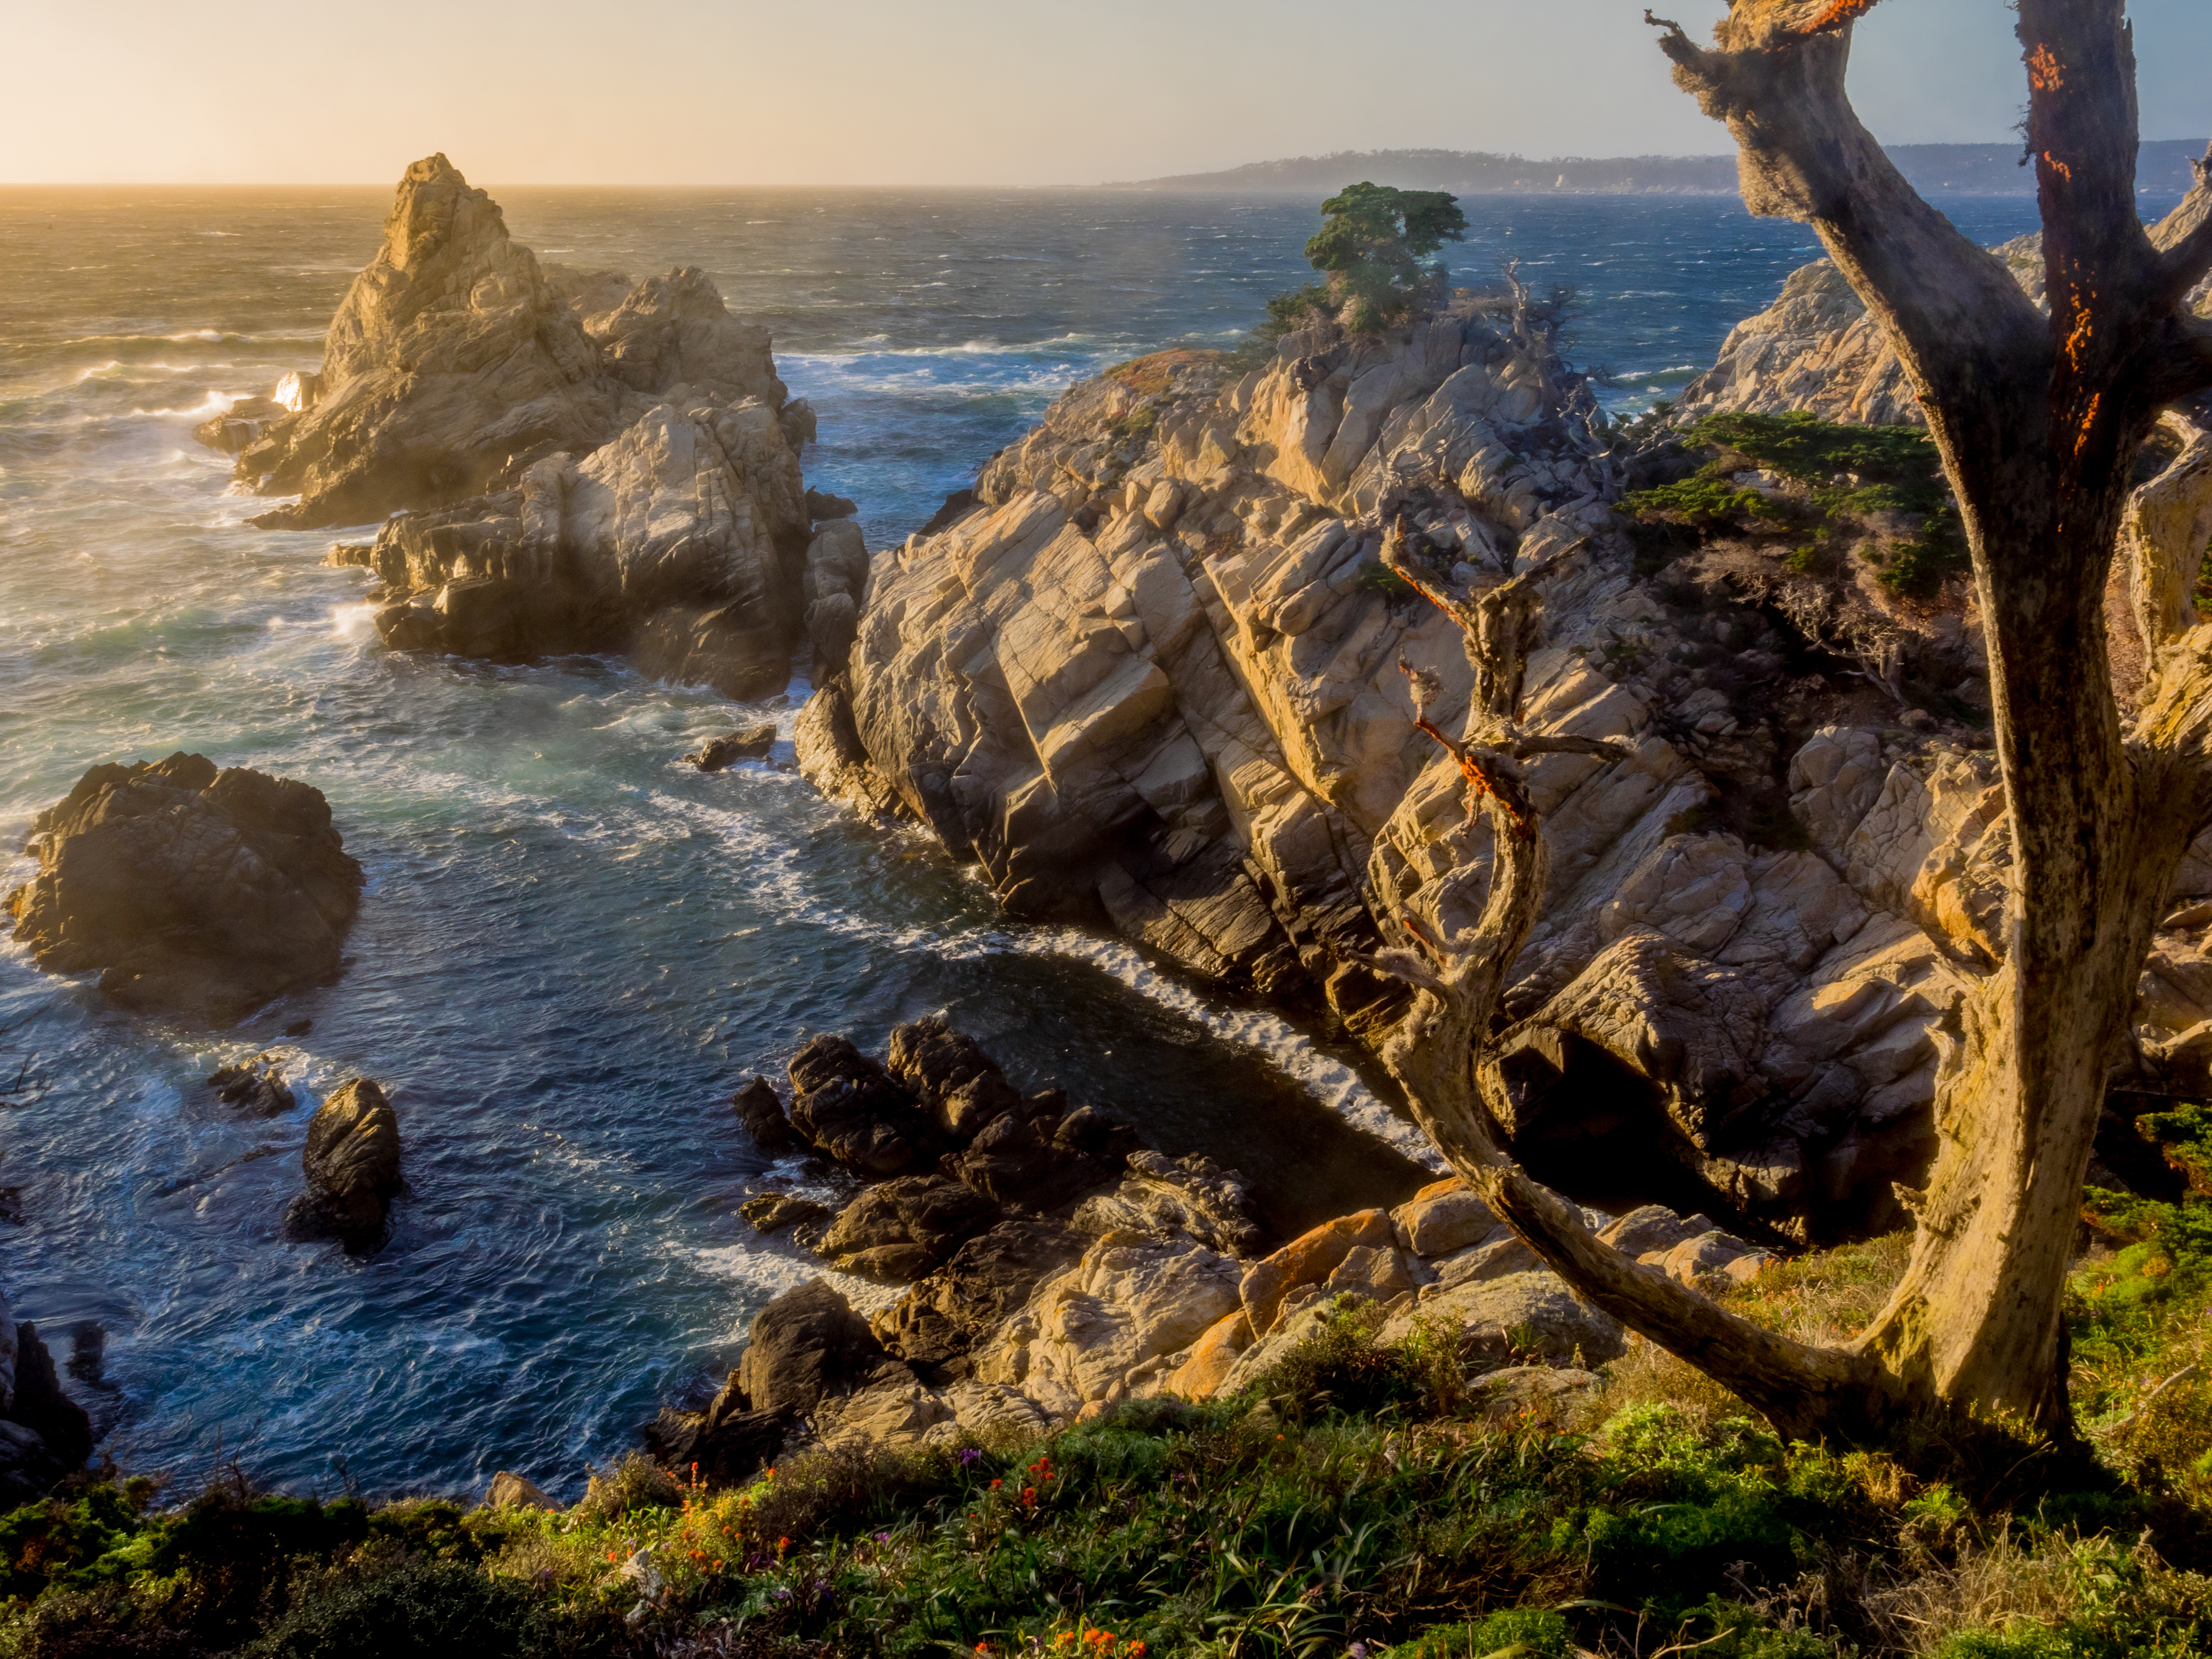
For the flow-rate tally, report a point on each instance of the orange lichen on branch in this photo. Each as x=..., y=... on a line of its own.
x=1480, y=783
x=2044, y=72
x=1838, y=14
x=2085, y=327
x=2089, y=426
x=2059, y=167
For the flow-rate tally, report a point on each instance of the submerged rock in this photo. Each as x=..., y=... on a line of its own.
x=192, y=890
x=256, y=1086
x=351, y=1162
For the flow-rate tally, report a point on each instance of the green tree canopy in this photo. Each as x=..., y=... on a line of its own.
x=1370, y=246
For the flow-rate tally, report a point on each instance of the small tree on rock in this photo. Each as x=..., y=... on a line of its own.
x=2039, y=420
x=1370, y=246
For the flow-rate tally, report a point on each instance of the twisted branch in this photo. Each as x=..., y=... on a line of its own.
x=1441, y=1052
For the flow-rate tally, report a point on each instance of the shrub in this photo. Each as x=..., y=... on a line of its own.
x=1700, y=501
x=430, y=1608
x=635, y=1483
x=1341, y=1369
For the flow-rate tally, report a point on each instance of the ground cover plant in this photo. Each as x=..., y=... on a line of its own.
x=1849, y=475
x=1364, y=1500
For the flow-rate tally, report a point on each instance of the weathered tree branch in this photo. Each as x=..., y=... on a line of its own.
x=1439, y=1052
x=1776, y=80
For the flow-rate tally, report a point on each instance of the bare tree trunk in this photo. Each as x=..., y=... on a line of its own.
x=2038, y=420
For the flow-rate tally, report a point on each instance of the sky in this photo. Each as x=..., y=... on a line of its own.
x=937, y=92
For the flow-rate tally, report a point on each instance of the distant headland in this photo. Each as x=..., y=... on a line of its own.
x=1933, y=169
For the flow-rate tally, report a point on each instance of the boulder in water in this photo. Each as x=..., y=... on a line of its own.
x=193, y=890
x=748, y=742
x=352, y=1164
x=762, y=1114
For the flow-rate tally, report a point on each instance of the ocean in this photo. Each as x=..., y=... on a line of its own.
x=573, y=948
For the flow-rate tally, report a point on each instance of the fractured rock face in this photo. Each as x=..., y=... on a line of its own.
x=1114, y=1326
x=191, y=891
x=845, y=1104
x=450, y=354
x=44, y=1434
x=580, y=464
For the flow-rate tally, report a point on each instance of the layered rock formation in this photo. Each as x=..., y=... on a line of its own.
x=1816, y=348
x=579, y=464
x=1152, y=678
x=192, y=890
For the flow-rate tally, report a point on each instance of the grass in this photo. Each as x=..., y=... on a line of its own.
x=1356, y=1501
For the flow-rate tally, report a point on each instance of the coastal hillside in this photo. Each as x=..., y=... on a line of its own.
x=1932, y=169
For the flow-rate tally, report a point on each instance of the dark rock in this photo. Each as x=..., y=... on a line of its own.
x=299, y=1028
x=192, y=890
x=87, y=1360
x=724, y=1445
x=805, y=1346
x=846, y=1106
x=899, y=1230
x=1011, y=1163
x=990, y=1277
x=41, y=1407
x=1087, y=1129
x=762, y=1114
x=257, y=1086
x=748, y=742
x=960, y=1084
x=771, y=1212
x=352, y=1164
x=820, y=505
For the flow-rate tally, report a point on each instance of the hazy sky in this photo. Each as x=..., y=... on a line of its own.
x=992, y=92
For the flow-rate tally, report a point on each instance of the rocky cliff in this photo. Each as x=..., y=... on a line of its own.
x=576, y=463
x=1816, y=348
x=1153, y=678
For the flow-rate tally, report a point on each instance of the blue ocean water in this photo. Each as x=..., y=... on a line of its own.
x=572, y=947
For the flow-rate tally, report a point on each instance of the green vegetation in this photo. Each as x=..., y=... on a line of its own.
x=1369, y=249
x=1849, y=472
x=1364, y=1497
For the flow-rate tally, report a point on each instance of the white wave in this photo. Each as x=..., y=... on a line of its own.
x=765, y=1267
x=782, y=881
